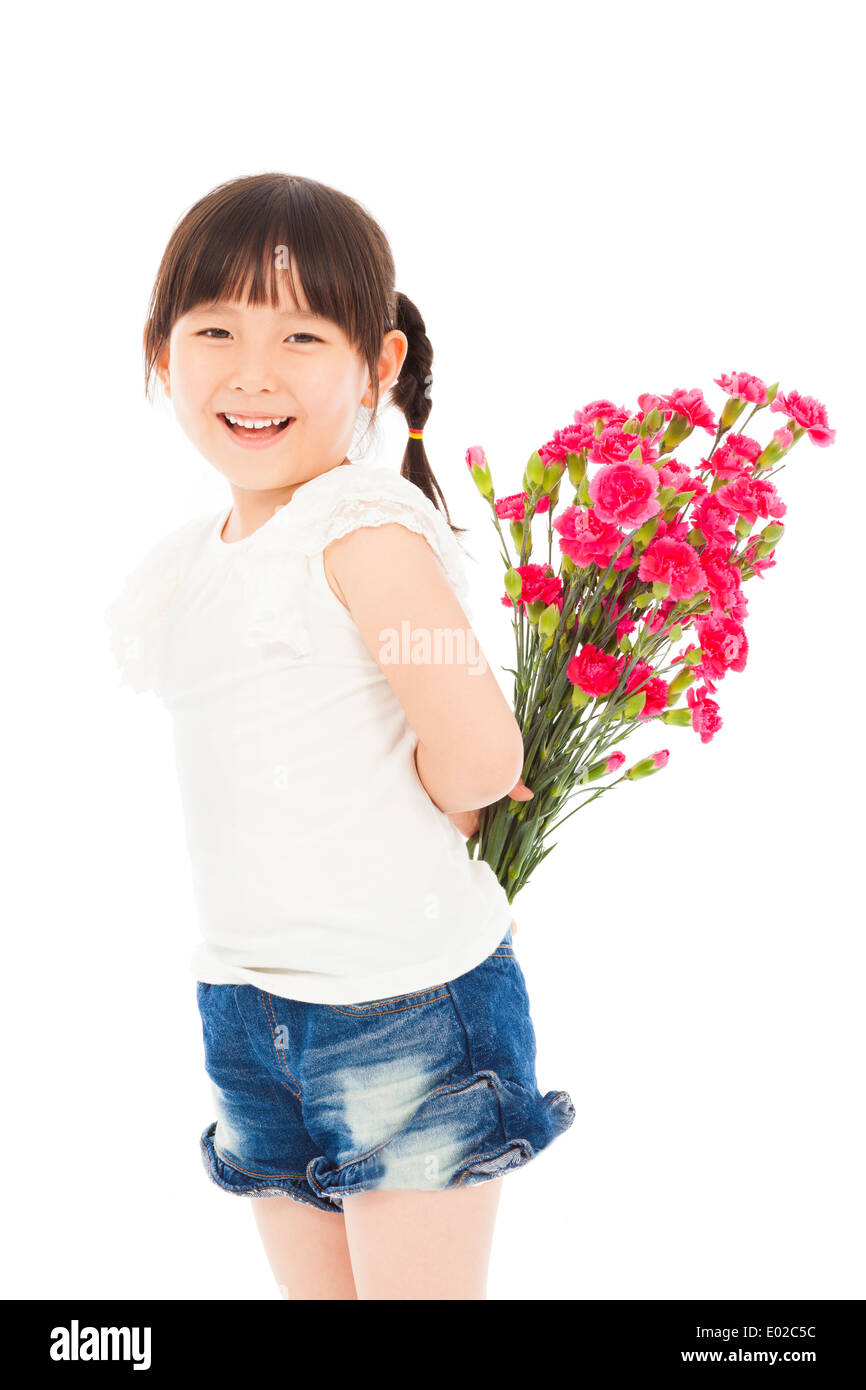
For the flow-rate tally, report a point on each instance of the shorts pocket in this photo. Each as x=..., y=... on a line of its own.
x=505, y=947
x=396, y=1003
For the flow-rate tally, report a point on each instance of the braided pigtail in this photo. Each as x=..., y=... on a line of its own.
x=412, y=393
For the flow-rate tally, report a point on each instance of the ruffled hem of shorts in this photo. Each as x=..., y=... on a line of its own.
x=245, y=1184
x=517, y=1127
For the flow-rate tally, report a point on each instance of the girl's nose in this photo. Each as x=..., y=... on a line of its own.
x=254, y=372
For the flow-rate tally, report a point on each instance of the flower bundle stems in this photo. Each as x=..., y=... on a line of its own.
x=648, y=550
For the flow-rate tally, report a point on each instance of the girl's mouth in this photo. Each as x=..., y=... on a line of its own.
x=254, y=436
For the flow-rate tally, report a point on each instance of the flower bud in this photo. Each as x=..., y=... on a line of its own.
x=549, y=621
x=534, y=473
x=513, y=584
x=732, y=412
x=552, y=474
x=576, y=465
x=647, y=766
x=679, y=684
x=676, y=431
x=480, y=471
x=634, y=705
x=681, y=717
x=516, y=528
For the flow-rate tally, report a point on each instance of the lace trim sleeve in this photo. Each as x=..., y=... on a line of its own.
x=274, y=569
x=379, y=497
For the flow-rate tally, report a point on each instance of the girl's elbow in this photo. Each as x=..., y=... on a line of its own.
x=504, y=766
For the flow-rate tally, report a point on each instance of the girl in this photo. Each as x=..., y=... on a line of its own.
x=365, y=1021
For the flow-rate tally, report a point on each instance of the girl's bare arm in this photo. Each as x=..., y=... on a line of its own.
x=470, y=748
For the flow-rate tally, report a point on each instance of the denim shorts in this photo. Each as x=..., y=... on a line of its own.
x=426, y=1090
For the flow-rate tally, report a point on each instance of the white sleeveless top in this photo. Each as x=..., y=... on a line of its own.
x=322, y=870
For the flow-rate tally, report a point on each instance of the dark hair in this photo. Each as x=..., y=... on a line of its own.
x=228, y=239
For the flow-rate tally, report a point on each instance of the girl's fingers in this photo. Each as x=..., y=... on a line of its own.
x=520, y=792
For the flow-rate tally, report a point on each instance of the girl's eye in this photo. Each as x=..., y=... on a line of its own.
x=205, y=332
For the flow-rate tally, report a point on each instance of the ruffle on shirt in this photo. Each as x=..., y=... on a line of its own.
x=273, y=564
x=274, y=567
x=136, y=617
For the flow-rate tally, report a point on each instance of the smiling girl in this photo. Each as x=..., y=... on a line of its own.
x=365, y=1020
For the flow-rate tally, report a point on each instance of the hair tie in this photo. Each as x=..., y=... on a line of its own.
x=415, y=434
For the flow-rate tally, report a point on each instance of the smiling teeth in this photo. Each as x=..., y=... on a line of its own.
x=255, y=424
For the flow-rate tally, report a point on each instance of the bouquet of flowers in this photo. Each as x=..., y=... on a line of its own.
x=647, y=604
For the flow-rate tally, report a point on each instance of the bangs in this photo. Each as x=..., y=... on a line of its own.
x=249, y=245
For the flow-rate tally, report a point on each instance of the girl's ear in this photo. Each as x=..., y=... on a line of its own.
x=162, y=370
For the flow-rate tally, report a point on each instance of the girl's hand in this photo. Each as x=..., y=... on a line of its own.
x=467, y=821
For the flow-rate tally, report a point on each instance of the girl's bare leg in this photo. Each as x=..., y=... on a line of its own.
x=306, y=1248
x=422, y=1245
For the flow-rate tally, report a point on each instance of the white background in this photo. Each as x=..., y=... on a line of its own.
x=583, y=202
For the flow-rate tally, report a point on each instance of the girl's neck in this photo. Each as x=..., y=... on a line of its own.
x=251, y=510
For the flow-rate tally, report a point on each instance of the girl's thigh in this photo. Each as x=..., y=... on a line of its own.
x=422, y=1245
x=306, y=1249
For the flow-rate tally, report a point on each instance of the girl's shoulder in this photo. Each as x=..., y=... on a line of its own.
x=362, y=495
x=133, y=616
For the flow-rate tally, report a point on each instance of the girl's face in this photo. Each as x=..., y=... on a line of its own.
x=255, y=363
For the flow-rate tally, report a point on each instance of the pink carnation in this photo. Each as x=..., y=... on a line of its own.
x=751, y=559
x=714, y=518
x=724, y=645
x=809, y=414
x=601, y=410
x=595, y=672
x=722, y=578
x=648, y=403
x=743, y=386
x=692, y=405
x=614, y=445
x=676, y=475
x=655, y=689
x=538, y=585
x=585, y=538
x=705, y=714
x=752, y=497
x=513, y=508
x=726, y=463
x=626, y=493
x=615, y=762
x=743, y=444
x=675, y=563
x=570, y=440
